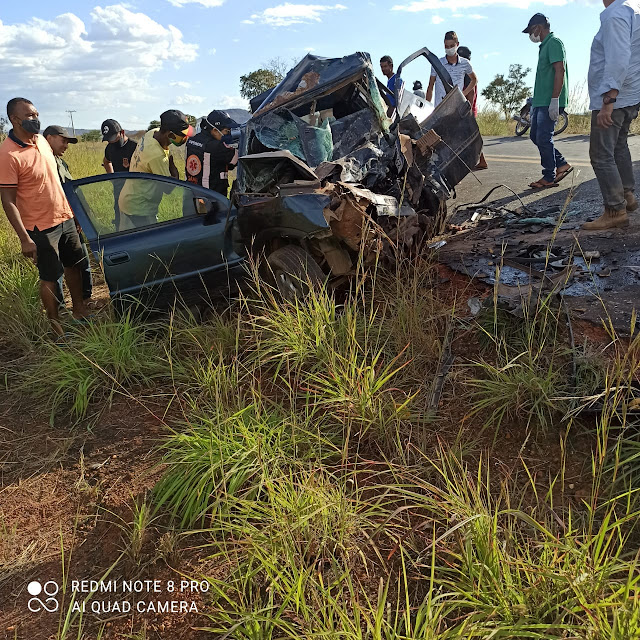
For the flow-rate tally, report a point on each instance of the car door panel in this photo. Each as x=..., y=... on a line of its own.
x=183, y=249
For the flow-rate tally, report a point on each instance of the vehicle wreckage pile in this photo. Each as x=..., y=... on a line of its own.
x=322, y=146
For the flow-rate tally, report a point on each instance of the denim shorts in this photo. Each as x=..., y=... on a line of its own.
x=58, y=247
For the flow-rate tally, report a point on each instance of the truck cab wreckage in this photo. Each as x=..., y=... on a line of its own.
x=330, y=168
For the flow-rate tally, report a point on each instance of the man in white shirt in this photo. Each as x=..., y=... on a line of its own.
x=614, y=94
x=457, y=67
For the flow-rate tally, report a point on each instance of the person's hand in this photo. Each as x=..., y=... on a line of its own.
x=29, y=250
x=604, y=118
x=554, y=109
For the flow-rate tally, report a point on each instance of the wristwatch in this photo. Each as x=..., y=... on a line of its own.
x=608, y=100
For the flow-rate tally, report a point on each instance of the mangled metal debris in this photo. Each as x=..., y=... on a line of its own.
x=323, y=164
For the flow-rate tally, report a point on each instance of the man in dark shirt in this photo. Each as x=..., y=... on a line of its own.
x=117, y=154
x=117, y=157
x=59, y=141
x=209, y=154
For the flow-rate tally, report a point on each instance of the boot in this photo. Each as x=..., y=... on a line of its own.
x=632, y=203
x=610, y=219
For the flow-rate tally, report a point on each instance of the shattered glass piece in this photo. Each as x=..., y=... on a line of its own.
x=354, y=131
x=280, y=131
x=317, y=142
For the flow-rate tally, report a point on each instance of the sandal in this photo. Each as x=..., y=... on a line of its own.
x=85, y=320
x=561, y=175
x=542, y=184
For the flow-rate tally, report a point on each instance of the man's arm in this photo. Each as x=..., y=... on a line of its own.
x=471, y=86
x=173, y=170
x=106, y=163
x=432, y=81
x=616, y=39
x=28, y=246
x=558, y=80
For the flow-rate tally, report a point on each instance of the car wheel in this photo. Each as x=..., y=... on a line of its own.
x=295, y=272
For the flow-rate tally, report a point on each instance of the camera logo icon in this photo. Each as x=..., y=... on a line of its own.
x=44, y=596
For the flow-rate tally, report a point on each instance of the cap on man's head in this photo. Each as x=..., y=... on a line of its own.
x=536, y=20
x=176, y=122
x=55, y=130
x=110, y=130
x=221, y=120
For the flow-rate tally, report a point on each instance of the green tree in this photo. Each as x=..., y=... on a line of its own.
x=4, y=123
x=268, y=76
x=257, y=82
x=154, y=124
x=91, y=136
x=509, y=93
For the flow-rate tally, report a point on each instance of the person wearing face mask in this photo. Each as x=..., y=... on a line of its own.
x=209, y=154
x=614, y=95
x=119, y=149
x=117, y=157
x=457, y=66
x=38, y=211
x=139, y=199
x=550, y=96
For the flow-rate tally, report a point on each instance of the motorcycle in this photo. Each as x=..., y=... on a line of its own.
x=523, y=120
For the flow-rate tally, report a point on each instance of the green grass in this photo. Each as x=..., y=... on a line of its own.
x=304, y=461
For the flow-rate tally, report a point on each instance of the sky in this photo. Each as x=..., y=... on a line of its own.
x=132, y=60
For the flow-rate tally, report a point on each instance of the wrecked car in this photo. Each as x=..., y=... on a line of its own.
x=329, y=172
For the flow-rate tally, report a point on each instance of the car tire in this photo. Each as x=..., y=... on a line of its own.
x=294, y=272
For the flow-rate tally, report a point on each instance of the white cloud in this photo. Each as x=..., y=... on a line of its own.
x=284, y=15
x=309, y=49
x=491, y=54
x=437, y=20
x=212, y=52
x=205, y=3
x=231, y=102
x=102, y=65
x=181, y=84
x=475, y=16
x=417, y=6
x=188, y=99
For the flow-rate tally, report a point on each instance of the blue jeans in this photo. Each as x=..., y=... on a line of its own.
x=542, y=127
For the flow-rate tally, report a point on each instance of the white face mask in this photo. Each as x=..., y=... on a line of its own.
x=452, y=51
x=535, y=39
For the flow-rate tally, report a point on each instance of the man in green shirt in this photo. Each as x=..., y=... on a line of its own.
x=550, y=96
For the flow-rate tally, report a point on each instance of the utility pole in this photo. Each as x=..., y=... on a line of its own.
x=71, y=112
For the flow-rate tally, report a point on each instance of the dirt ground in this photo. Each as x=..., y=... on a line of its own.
x=67, y=493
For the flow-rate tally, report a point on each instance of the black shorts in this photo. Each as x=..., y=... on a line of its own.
x=58, y=247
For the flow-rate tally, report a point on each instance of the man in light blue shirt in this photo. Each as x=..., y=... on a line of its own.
x=614, y=94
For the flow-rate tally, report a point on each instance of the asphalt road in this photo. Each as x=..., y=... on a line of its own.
x=515, y=162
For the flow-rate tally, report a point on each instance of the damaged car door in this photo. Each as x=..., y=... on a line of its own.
x=184, y=252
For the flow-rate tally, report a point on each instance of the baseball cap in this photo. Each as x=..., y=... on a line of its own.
x=536, y=19
x=176, y=122
x=221, y=120
x=55, y=130
x=110, y=129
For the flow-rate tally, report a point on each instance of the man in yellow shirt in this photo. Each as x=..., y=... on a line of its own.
x=140, y=199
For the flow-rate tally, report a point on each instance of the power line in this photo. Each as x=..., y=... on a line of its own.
x=71, y=112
